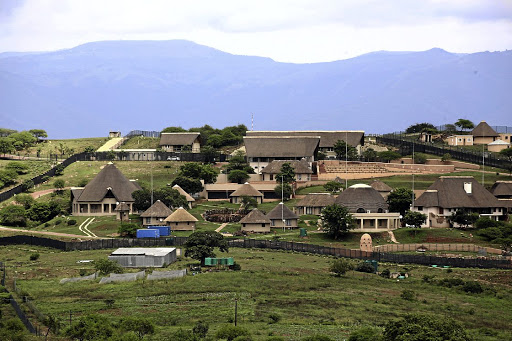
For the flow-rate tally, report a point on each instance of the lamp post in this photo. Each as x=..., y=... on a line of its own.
x=282, y=200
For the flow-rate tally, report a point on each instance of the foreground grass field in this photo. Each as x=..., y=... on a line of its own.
x=278, y=293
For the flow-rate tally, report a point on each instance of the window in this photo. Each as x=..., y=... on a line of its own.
x=309, y=210
x=371, y=223
x=272, y=222
x=420, y=208
x=148, y=220
x=299, y=177
x=263, y=225
x=243, y=225
x=360, y=210
x=380, y=210
x=441, y=210
x=288, y=222
x=271, y=176
x=459, y=139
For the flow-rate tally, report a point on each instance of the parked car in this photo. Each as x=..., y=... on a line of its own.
x=173, y=158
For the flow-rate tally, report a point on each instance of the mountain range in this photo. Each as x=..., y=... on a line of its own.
x=107, y=86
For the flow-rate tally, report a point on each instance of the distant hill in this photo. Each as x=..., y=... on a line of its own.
x=148, y=85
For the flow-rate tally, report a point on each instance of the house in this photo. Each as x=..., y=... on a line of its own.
x=261, y=150
x=114, y=134
x=451, y=193
x=484, y=134
x=313, y=203
x=301, y=168
x=282, y=216
x=181, y=220
x=187, y=196
x=178, y=142
x=255, y=221
x=502, y=190
x=507, y=137
x=122, y=212
x=498, y=145
x=103, y=194
x=246, y=190
x=141, y=257
x=156, y=214
x=368, y=208
x=222, y=191
x=459, y=140
x=328, y=138
x=382, y=188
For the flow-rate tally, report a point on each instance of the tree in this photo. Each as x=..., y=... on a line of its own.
x=7, y=177
x=449, y=129
x=343, y=150
x=23, y=140
x=284, y=189
x=508, y=154
x=420, y=158
x=230, y=332
x=340, y=267
x=420, y=128
x=446, y=157
x=287, y=174
x=336, y=221
x=89, y=150
x=13, y=215
x=464, y=124
x=24, y=199
x=91, y=327
x=140, y=325
x=171, y=197
x=174, y=130
x=189, y=185
x=210, y=154
x=43, y=211
x=370, y=154
x=195, y=170
x=239, y=176
x=424, y=328
x=59, y=184
x=215, y=140
x=38, y=133
x=27, y=184
x=111, y=155
x=201, y=244
x=142, y=199
x=388, y=155
x=366, y=334
x=248, y=202
x=59, y=169
x=128, y=230
x=106, y=266
x=415, y=219
x=333, y=186
x=400, y=200
x=6, y=145
x=238, y=162
x=463, y=218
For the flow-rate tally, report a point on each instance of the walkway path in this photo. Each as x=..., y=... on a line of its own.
x=38, y=194
x=392, y=237
x=83, y=227
x=110, y=144
x=221, y=227
x=44, y=233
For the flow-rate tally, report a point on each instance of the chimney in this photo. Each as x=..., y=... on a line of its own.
x=468, y=187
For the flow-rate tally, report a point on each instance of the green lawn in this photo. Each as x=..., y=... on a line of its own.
x=141, y=142
x=295, y=287
x=47, y=147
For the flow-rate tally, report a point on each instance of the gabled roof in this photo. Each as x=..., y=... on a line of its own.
x=180, y=215
x=448, y=192
x=109, y=179
x=300, y=167
x=122, y=207
x=327, y=138
x=178, y=139
x=248, y=190
x=286, y=213
x=484, y=130
x=255, y=217
x=502, y=189
x=281, y=146
x=361, y=196
x=182, y=192
x=499, y=143
x=380, y=186
x=316, y=200
x=158, y=209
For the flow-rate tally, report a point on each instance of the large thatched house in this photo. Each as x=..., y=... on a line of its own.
x=255, y=221
x=156, y=214
x=177, y=142
x=187, y=196
x=282, y=216
x=451, y=193
x=314, y=203
x=301, y=168
x=484, y=134
x=248, y=191
x=382, y=188
x=503, y=191
x=104, y=193
x=181, y=220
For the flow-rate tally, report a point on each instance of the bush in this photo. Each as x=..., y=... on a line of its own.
x=106, y=266
x=274, y=318
x=34, y=256
x=236, y=266
x=472, y=287
x=317, y=338
x=27, y=184
x=230, y=333
x=365, y=267
x=385, y=273
x=58, y=221
x=451, y=282
x=200, y=329
x=408, y=295
x=71, y=222
x=340, y=267
x=365, y=334
x=59, y=170
x=128, y=230
x=420, y=158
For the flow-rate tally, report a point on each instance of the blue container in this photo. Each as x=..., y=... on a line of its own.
x=164, y=230
x=148, y=233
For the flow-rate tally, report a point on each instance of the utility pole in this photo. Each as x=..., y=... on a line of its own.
x=236, y=311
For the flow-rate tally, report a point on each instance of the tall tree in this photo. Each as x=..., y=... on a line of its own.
x=400, y=200
x=425, y=328
x=508, y=154
x=287, y=174
x=464, y=124
x=174, y=130
x=6, y=145
x=189, y=185
x=201, y=244
x=336, y=221
x=420, y=127
x=38, y=133
x=342, y=150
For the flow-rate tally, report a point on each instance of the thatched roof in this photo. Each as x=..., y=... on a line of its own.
x=361, y=197
x=182, y=192
x=178, y=139
x=327, y=138
x=380, y=186
x=316, y=200
x=158, y=209
x=484, y=130
x=255, y=217
x=122, y=207
x=248, y=190
x=109, y=179
x=286, y=213
x=502, y=189
x=281, y=146
x=300, y=167
x=449, y=192
x=180, y=215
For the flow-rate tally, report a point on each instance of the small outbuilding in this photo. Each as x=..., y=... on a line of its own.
x=122, y=211
x=314, y=203
x=255, y=221
x=282, y=216
x=246, y=190
x=189, y=198
x=382, y=188
x=138, y=257
x=156, y=214
x=181, y=220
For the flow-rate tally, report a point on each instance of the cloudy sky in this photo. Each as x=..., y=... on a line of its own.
x=289, y=31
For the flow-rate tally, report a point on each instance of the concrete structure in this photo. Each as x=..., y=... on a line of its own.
x=156, y=214
x=497, y=146
x=301, y=168
x=181, y=220
x=459, y=140
x=314, y=203
x=282, y=212
x=178, y=142
x=246, y=190
x=114, y=134
x=138, y=257
x=484, y=134
x=255, y=221
x=451, y=193
x=103, y=194
x=187, y=196
x=365, y=243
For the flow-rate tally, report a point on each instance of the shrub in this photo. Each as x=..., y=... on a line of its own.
x=408, y=295
x=71, y=222
x=317, y=338
x=200, y=329
x=472, y=287
x=365, y=334
x=451, y=282
x=230, y=333
x=274, y=318
x=82, y=272
x=365, y=267
x=385, y=273
x=420, y=158
x=46, y=224
x=59, y=170
x=236, y=266
x=27, y=184
x=128, y=230
x=34, y=256
x=340, y=267
x=106, y=266
x=58, y=221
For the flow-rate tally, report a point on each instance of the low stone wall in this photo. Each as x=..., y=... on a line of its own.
x=456, y=164
x=435, y=247
x=420, y=167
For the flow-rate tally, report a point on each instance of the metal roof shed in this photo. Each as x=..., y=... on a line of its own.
x=139, y=257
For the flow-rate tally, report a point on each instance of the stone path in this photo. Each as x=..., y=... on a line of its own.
x=44, y=233
x=110, y=144
x=221, y=227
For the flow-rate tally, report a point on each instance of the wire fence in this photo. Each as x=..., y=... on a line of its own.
x=463, y=262
x=498, y=129
x=145, y=133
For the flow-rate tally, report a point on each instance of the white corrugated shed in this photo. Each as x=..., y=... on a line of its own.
x=144, y=256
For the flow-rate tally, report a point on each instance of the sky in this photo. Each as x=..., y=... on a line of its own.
x=298, y=31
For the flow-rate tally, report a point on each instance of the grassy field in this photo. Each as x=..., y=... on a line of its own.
x=141, y=142
x=53, y=146
x=297, y=288
x=35, y=168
